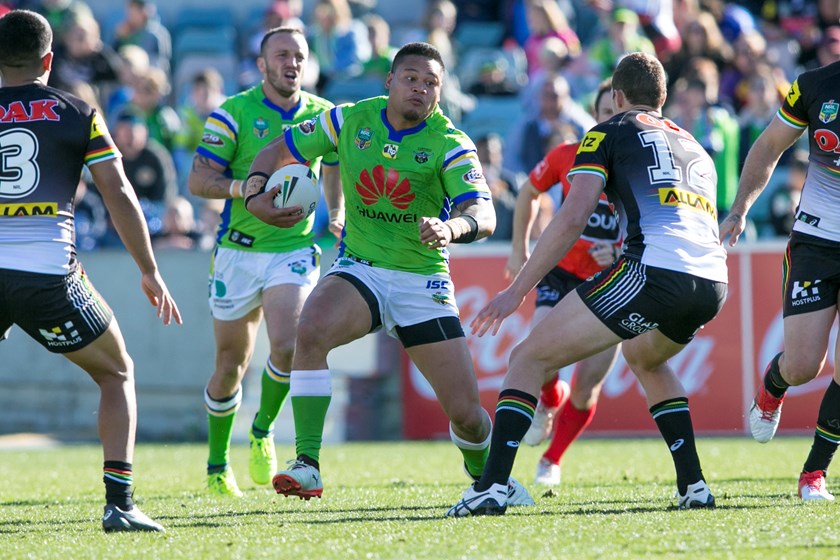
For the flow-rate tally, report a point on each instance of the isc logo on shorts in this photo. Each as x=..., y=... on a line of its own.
x=61, y=336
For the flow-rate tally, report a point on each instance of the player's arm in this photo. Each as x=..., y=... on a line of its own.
x=260, y=202
x=759, y=165
x=524, y=215
x=334, y=197
x=207, y=179
x=474, y=219
x=121, y=202
x=561, y=233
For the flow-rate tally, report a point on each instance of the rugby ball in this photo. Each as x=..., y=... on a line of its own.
x=298, y=187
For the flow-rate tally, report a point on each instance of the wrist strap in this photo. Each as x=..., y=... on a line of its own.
x=259, y=192
x=231, y=188
x=468, y=236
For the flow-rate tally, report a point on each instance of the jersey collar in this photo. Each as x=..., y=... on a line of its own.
x=398, y=135
x=286, y=115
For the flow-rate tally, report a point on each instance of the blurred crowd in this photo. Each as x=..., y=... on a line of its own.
x=521, y=77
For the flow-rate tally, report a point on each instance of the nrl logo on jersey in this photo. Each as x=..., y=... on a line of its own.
x=828, y=112
x=260, y=128
x=363, y=138
x=390, y=151
x=473, y=176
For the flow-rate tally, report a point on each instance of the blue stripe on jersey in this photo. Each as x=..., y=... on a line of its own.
x=232, y=126
x=202, y=151
x=290, y=142
x=329, y=163
x=454, y=157
x=398, y=135
x=287, y=115
x=334, y=119
x=225, y=223
x=469, y=195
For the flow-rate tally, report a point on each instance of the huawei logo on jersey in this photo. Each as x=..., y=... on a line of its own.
x=384, y=184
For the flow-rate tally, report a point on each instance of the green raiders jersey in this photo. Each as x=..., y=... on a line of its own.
x=233, y=136
x=391, y=179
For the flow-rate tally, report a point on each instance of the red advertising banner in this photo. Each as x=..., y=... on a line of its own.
x=719, y=368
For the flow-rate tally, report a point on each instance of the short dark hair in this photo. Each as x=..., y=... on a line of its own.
x=642, y=79
x=417, y=49
x=274, y=31
x=25, y=39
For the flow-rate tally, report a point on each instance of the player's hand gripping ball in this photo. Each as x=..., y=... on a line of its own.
x=298, y=187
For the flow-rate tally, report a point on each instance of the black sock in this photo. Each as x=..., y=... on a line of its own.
x=674, y=423
x=118, y=479
x=514, y=414
x=827, y=434
x=309, y=461
x=773, y=381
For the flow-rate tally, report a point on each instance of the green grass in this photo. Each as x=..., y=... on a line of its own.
x=387, y=501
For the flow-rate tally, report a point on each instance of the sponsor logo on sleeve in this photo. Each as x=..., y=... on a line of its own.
x=591, y=141
x=473, y=176
x=308, y=127
x=211, y=139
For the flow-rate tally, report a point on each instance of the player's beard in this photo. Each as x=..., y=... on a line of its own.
x=279, y=84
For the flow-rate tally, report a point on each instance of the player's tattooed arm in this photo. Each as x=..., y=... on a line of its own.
x=475, y=219
x=207, y=180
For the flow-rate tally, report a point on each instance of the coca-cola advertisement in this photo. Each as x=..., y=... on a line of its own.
x=719, y=368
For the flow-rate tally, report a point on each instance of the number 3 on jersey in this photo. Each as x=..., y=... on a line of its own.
x=19, y=172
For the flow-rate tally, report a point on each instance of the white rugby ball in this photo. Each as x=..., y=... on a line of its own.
x=298, y=187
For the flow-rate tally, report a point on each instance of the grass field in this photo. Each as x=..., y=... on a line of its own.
x=387, y=500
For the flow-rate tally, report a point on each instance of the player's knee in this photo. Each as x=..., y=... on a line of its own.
x=799, y=372
x=469, y=420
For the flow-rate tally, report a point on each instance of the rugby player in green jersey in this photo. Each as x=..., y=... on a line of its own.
x=412, y=185
x=257, y=269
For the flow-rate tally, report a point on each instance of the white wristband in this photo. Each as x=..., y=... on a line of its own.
x=230, y=190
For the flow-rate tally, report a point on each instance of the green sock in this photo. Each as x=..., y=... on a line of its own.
x=475, y=454
x=220, y=417
x=310, y=416
x=275, y=387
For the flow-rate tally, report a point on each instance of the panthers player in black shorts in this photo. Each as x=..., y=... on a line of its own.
x=811, y=267
x=670, y=280
x=46, y=137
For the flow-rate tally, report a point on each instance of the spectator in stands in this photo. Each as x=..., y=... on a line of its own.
x=179, y=229
x=91, y=217
x=134, y=63
x=60, y=14
x=148, y=166
x=546, y=19
x=86, y=60
x=701, y=38
x=142, y=27
x=715, y=128
x=750, y=49
x=530, y=140
x=149, y=100
x=339, y=42
x=785, y=200
x=503, y=184
x=623, y=36
x=280, y=13
x=206, y=94
x=492, y=78
x=382, y=52
x=763, y=100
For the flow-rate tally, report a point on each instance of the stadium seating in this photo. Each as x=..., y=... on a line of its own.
x=472, y=34
x=190, y=64
x=492, y=114
x=353, y=89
